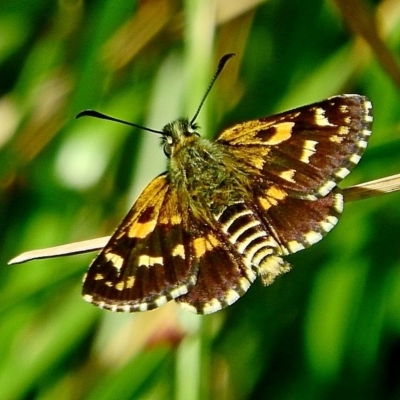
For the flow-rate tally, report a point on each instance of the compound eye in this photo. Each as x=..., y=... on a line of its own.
x=167, y=149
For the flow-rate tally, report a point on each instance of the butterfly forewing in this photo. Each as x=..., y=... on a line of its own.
x=306, y=150
x=148, y=261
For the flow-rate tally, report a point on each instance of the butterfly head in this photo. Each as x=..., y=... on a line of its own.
x=178, y=134
x=183, y=132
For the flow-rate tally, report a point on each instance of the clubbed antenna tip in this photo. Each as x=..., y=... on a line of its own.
x=219, y=69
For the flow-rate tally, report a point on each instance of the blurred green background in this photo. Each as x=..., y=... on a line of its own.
x=328, y=329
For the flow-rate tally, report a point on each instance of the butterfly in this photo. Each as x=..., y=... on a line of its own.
x=227, y=211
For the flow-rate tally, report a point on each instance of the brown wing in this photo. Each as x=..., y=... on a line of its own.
x=251, y=239
x=294, y=223
x=149, y=259
x=297, y=223
x=295, y=158
x=223, y=275
x=306, y=150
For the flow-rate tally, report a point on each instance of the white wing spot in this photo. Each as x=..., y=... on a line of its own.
x=338, y=205
x=179, y=291
x=342, y=172
x=308, y=150
x=288, y=175
x=326, y=188
x=362, y=144
x=212, y=306
x=116, y=260
x=130, y=282
x=244, y=284
x=251, y=276
x=88, y=298
x=320, y=118
x=355, y=158
x=335, y=139
x=160, y=301
x=368, y=106
x=294, y=246
x=178, y=251
x=344, y=130
x=329, y=223
x=147, y=261
x=231, y=296
x=312, y=237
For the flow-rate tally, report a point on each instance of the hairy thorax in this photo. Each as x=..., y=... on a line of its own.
x=207, y=176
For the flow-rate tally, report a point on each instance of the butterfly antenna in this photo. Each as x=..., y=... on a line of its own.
x=96, y=114
x=219, y=69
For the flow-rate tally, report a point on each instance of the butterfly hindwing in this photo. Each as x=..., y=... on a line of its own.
x=223, y=275
x=148, y=261
x=295, y=223
x=237, y=246
x=306, y=150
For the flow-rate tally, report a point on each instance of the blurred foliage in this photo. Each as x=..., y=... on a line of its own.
x=328, y=329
